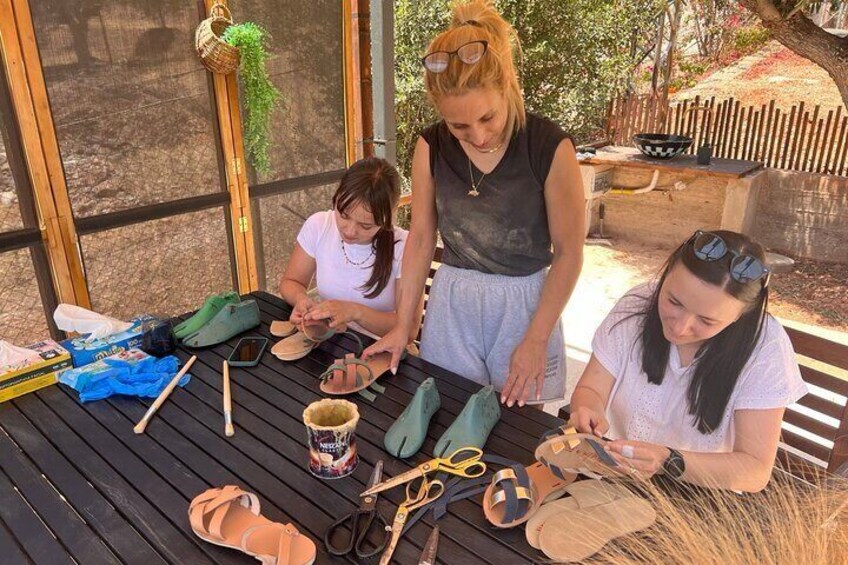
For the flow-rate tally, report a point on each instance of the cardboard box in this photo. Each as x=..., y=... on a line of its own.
x=53, y=359
x=83, y=353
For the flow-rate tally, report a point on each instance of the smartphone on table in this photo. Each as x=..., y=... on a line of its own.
x=248, y=352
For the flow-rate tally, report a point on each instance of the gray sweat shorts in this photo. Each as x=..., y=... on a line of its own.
x=476, y=320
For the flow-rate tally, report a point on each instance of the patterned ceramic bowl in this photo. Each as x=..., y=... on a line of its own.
x=661, y=145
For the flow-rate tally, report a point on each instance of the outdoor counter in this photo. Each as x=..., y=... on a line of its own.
x=686, y=197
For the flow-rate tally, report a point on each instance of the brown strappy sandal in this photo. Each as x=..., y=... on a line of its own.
x=229, y=517
x=565, y=451
x=517, y=492
x=351, y=374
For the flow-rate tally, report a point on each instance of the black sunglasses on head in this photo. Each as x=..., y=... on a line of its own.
x=744, y=268
x=469, y=53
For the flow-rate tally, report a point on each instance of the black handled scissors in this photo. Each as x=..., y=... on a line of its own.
x=359, y=523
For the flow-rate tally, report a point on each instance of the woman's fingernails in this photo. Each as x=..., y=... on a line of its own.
x=394, y=370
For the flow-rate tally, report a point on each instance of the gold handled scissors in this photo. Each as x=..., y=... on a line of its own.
x=464, y=462
x=427, y=493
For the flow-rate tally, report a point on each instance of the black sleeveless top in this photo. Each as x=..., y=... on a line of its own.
x=504, y=230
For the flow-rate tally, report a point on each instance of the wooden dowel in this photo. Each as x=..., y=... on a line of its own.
x=142, y=424
x=228, y=403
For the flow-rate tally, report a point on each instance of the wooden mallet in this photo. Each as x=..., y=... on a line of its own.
x=142, y=424
x=228, y=403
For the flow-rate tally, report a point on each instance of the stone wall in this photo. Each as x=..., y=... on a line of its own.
x=803, y=215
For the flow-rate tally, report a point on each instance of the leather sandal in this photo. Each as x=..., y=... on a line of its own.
x=473, y=425
x=229, y=517
x=565, y=451
x=517, y=492
x=577, y=534
x=407, y=434
x=232, y=320
x=305, y=339
x=281, y=328
x=580, y=495
x=352, y=374
x=211, y=306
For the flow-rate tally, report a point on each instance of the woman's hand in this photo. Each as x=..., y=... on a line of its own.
x=338, y=313
x=300, y=309
x=526, y=368
x=587, y=420
x=394, y=342
x=638, y=457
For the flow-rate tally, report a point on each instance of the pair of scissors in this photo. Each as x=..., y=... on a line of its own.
x=428, y=556
x=427, y=493
x=464, y=462
x=360, y=523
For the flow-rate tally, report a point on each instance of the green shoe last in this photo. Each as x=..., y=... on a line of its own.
x=407, y=434
x=473, y=425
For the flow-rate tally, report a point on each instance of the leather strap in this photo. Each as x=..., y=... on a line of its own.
x=458, y=488
x=218, y=504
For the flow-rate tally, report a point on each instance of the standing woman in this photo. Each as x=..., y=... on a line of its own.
x=503, y=187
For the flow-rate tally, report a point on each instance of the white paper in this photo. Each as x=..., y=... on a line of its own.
x=72, y=318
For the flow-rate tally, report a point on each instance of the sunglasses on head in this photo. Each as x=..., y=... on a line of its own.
x=469, y=53
x=744, y=268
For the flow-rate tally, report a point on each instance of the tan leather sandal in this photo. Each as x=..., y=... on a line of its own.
x=229, y=517
x=300, y=343
x=281, y=328
x=517, y=492
x=564, y=451
x=581, y=495
x=578, y=533
x=352, y=374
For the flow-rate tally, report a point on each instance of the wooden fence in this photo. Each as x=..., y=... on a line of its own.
x=801, y=138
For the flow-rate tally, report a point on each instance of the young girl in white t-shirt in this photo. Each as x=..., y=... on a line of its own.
x=690, y=375
x=354, y=252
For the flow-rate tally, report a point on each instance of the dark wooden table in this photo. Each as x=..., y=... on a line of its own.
x=77, y=485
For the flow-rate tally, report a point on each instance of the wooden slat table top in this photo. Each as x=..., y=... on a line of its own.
x=631, y=157
x=77, y=485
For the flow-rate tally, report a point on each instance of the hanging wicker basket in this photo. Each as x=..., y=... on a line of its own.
x=215, y=54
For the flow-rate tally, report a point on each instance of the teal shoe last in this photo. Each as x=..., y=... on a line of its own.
x=473, y=425
x=407, y=434
x=232, y=320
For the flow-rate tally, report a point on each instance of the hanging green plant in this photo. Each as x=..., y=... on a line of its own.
x=260, y=95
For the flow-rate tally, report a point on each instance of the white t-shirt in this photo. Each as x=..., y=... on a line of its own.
x=337, y=278
x=641, y=411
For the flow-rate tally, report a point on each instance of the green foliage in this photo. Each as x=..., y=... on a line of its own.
x=688, y=72
x=751, y=38
x=260, y=95
x=577, y=54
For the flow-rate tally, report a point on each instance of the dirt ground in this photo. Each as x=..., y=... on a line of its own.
x=774, y=72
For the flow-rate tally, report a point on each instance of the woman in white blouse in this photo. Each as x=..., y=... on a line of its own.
x=690, y=375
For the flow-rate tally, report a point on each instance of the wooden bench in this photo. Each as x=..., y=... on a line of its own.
x=815, y=430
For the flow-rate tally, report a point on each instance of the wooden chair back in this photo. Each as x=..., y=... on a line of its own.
x=815, y=430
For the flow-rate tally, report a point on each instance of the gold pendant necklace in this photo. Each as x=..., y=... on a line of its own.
x=498, y=148
x=474, y=185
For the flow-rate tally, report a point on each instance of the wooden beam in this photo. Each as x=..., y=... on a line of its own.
x=29, y=97
x=353, y=96
x=229, y=120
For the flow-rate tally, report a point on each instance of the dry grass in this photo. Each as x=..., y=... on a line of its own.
x=790, y=522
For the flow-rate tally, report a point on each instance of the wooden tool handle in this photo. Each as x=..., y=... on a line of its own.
x=142, y=424
x=228, y=403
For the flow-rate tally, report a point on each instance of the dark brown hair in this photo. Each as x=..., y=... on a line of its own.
x=375, y=184
x=720, y=359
